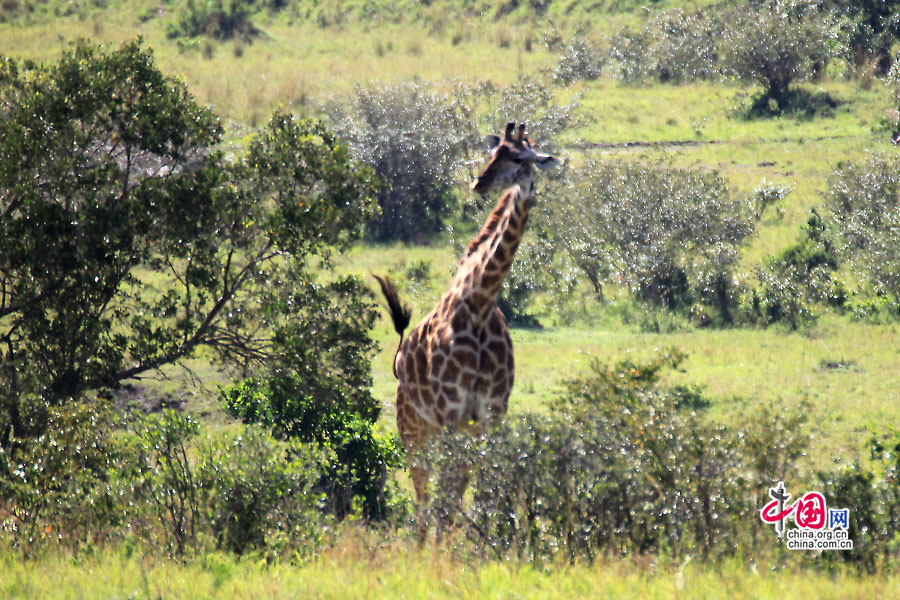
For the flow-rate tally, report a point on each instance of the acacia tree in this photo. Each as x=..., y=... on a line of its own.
x=128, y=241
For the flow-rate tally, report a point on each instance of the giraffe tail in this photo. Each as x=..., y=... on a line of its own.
x=400, y=313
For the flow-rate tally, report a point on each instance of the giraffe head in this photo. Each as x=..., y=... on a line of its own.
x=512, y=161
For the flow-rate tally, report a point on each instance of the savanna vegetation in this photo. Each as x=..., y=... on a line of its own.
x=196, y=395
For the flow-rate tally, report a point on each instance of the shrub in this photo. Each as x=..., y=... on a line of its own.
x=872, y=493
x=413, y=137
x=769, y=195
x=318, y=390
x=871, y=28
x=622, y=464
x=58, y=485
x=221, y=19
x=863, y=201
x=581, y=59
x=529, y=100
x=259, y=493
x=674, y=47
x=789, y=284
x=242, y=492
x=354, y=478
x=670, y=235
x=164, y=477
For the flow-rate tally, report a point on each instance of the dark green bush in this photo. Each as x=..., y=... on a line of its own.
x=240, y=492
x=58, y=486
x=163, y=478
x=581, y=59
x=787, y=287
x=318, y=391
x=413, y=136
x=354, y=478
x=863, y=201
x=260, y=493
x=872, y=493
x=221, y=19
x=872, y=27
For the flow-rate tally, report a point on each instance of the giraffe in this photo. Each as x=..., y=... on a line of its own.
x=455, y=369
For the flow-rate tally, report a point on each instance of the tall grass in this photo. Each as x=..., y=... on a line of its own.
x=401, y=570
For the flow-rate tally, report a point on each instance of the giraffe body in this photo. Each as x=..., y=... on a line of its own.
x=455, y=370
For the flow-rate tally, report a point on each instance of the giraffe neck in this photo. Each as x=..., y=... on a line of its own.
x=490, y=255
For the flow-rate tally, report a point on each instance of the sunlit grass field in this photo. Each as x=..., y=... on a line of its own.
x=845, y=370
x=403, y=571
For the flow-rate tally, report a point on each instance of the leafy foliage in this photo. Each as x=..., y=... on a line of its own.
x=412, y=136
x=674, y=46
x=58, y=485
x=318, y=390
x=791, y=283
x=872, y=27
x=129, y=242
x=776, y=44
x=864, y=205
x=259, y=493
x=623, y=464
x=355, y=477
x=670, y=235
x=221, y=19
x=871, y=490
x=246, y=492
x=165, y=477
x=581, y=59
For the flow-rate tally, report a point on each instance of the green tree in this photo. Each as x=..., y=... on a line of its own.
x=776, y=44
x=129, y=241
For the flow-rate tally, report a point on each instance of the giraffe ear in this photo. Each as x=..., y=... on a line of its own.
x=492, y=141
x=545, y=161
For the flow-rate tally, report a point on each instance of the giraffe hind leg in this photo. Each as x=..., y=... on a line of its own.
x=414, y=432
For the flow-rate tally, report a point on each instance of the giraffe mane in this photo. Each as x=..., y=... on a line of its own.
x=490, y=225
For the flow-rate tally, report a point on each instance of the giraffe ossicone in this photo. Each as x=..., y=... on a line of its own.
x=455, y=370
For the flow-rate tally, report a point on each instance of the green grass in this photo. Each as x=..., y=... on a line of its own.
x=354, y=570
